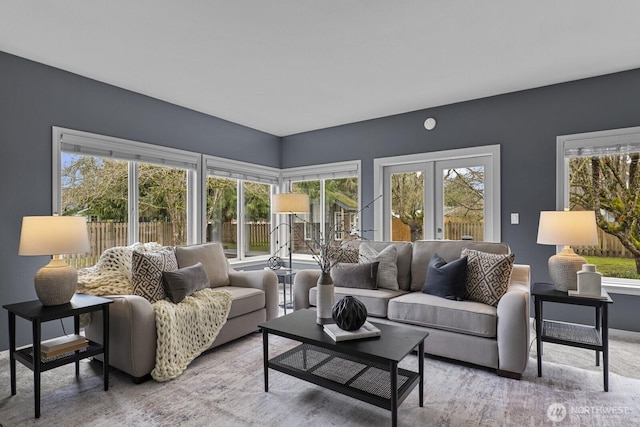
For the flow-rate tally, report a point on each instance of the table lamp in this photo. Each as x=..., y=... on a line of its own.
x=56, y=282
x=290, y=203
x=567, y=228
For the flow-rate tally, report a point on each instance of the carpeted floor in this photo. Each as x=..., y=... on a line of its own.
x=225, y=388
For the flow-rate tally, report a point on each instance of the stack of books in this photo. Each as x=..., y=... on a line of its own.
x=366, y=331
x=62, y=345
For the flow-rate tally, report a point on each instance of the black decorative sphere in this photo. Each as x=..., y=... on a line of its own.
x=274, y=262
x=349, y=313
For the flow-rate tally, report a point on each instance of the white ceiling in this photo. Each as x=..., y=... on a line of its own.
x=289, y=66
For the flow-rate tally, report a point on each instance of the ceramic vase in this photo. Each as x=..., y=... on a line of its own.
x=325, y=299
x=349, y=313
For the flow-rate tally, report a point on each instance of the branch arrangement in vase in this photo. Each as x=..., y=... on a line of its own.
x=326, y=251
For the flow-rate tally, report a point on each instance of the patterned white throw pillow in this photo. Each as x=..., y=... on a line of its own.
x=387, y=268
x=487, y=275
x=146, y=272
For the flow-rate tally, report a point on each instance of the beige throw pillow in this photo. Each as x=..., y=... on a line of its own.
x=387, y=268
x=211, y=255
x=487, y=275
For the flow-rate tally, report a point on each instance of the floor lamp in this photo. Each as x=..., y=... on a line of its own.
x=290, y=203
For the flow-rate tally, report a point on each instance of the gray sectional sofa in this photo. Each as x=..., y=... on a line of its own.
x=132, y=329
x=469, y=331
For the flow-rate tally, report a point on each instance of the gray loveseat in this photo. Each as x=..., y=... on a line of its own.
x=469, y=331
x=132, y=329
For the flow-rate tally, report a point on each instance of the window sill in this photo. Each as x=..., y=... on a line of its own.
x=622, y=286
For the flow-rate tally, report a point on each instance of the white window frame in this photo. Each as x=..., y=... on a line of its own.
x=199, y=167
x=336, y=170
x=567, y=146
x=242, y=172
x=86, y=143
x=492, y=206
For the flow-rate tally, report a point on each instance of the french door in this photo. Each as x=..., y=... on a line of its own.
x=448, y=198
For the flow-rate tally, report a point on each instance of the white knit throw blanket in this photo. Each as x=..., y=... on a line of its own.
x=187, y=329
x=184, y=330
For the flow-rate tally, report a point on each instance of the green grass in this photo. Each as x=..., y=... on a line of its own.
x=624, y=268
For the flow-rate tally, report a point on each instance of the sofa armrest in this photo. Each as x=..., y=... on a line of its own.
x=521, y=275
x=132, y=334
x=513, y=323
x=265, y=280
x=304, y=280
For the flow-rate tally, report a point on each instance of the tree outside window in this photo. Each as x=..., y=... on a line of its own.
x=610, y=186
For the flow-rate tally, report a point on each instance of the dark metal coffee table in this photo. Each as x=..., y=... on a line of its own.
x=365, y=369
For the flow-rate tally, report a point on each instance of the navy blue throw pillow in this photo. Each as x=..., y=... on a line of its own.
x=446, y=280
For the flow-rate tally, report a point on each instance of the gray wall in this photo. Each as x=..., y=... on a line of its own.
x=525, y=124
x=33, y=98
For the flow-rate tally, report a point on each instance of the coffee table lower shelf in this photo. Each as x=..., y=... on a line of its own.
x=362, y=379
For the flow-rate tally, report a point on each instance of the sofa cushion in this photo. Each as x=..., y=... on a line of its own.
x=388, y=268
x=487, y=275
x=467, y=317
x=446, y=280
x=244, y=300
x=361, y=276
x=450, y=250
x=184, y=281
x=146, y=272
x=376, y=300
x=403, y=261
x=211, y=255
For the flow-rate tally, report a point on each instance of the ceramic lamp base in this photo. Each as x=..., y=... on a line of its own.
x=56, y=282
x=563, y=269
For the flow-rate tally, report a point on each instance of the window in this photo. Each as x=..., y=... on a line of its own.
x=451, y=194
x=600, y=171
x=136, y=192
x=222, y=213
x=128, y=191
x=238, y=207
x=334, y=204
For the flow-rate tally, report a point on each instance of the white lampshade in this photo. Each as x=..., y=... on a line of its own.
x=53, y=235
x=290, y=203
x=567, y=228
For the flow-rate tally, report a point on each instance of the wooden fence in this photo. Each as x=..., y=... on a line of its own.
x=401, y=232
x=608, y=246
x=259, y=233
x=104, y=235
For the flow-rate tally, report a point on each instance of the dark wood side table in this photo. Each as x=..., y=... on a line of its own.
x=590, y=337
x=36, y=313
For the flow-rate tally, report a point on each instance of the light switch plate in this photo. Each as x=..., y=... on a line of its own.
x=515, y=218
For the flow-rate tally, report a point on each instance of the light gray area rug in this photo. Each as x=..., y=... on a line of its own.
x=225, y=388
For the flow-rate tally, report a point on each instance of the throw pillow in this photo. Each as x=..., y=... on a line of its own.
x=487, y=275
x=446, y=280
x=388, y=269
x=184, y=281
x=212, y=257
x=346, y=254
x=146, y=272
x=361, y=276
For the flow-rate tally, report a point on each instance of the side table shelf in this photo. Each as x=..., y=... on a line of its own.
x=578, y=335
x=25, y=356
